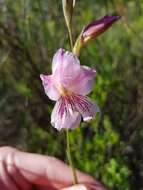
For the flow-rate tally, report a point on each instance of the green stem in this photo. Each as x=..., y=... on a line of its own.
x=75, y=181
x=70, y=35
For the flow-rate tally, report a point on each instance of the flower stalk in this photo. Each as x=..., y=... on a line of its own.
x=68, y=7
x=70, y=36
x=75, y=180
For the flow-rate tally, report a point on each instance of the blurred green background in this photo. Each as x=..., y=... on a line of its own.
x=111, y=146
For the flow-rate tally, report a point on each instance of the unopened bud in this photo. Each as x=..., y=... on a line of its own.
x=94, y=29
x=68, y=7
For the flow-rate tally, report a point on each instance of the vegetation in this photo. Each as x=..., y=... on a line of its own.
x=110, y=147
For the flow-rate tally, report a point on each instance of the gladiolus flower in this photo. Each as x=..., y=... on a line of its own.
x=69, y=84
x=93, y=30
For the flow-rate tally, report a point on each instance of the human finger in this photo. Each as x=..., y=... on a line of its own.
x=85, y=187
x=6, y=183
x=44, y=170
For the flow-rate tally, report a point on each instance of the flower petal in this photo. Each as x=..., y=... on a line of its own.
x=65, y=64
x=67, y=69
x=62, y=60
x=83, y=84
x=86, y=107
x=72, y=76
x=49, y=87
x=57, y=59
x=63, y=116
x=79, y=81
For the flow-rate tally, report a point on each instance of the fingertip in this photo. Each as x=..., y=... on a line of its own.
x=85, y=187
x=76, y=187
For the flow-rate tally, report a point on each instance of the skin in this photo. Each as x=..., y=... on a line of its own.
x=27, y=171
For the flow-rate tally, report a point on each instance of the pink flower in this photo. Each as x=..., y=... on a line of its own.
x=68, y=85
x=97, y=27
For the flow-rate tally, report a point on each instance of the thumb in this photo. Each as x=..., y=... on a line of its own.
x=85, y=187
x=76, y=187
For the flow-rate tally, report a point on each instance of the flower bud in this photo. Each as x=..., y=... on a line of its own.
x=97, y=27
x=68, y=6
x=94, y=29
